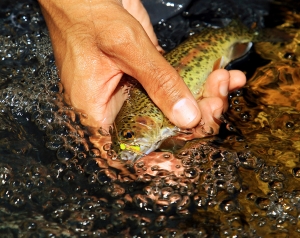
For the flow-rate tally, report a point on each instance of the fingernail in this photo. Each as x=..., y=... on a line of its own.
x=184, y=112
x=217, y=114
x=208, y=130
x=223, y=88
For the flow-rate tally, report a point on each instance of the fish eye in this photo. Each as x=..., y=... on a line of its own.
x=128, y=134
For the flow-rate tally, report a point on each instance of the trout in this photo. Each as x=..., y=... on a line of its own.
x=140, y=126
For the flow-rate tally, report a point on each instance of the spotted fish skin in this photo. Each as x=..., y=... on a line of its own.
x=140, y=126
x=200, y=54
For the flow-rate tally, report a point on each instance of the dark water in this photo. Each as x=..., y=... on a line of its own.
x=54, y=182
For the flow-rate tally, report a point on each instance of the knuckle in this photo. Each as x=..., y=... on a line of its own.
x=166, y=84
x=119, y=36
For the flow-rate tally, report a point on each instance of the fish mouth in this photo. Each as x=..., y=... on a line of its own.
x=143, y=146
x=127, y=155
x=133, y=156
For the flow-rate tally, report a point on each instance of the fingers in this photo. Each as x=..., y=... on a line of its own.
x=214, y=100
x=211, y=110
x=237, y=80
x=217, y=84
x=133, y=52
x=137, y=10
x=220, y=82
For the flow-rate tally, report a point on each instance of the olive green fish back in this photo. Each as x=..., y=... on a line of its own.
x=192, y=57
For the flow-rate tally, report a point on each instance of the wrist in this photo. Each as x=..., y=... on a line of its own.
x=78, y=10
x=131, y=3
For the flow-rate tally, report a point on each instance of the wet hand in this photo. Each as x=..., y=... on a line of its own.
x=96, y=42
x=214, y=101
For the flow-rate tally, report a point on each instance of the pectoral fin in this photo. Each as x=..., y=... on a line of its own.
x=239, y=50
x=220, y=63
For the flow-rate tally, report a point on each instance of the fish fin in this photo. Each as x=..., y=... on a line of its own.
x=239, y=50
x=219, y=63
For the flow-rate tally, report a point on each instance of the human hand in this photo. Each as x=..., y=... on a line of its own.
x=95, y=42
x=214, y=101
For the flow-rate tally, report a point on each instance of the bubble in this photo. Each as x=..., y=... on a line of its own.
x=79, y=145
x=200, y=201
x=166, y=192
x=289, y=125
x=162, y=206
x=160, y=221
x=140, y=164
x=228, y=206
x=18, y=201
x=263, y=203
x=144, y=221
x=30, y=225
x=296, y=172
x=91, y=166
x=190, y=173
x=69, y=176
x=5, y=173
x=184, y=203
x=119, y=204
x=249, y=161
x=65, y=154
x=81, y=224
x=276, y=185
x=251, y=196
x=103, y=178
x=175, y=198
x=116, y=190
x=221, y=184
x=107, y=147
x=143, y=202
x=55, y=142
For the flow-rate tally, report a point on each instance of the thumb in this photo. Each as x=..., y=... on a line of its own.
x=166, y=88
x=168, y=91
x=137, y=10
x=134, y=54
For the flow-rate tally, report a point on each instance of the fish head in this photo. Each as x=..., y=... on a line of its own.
x=134, y=137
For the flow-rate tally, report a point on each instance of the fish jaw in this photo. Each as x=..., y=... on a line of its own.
x=132, y=151
x=129, y=155
x=165, y=133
